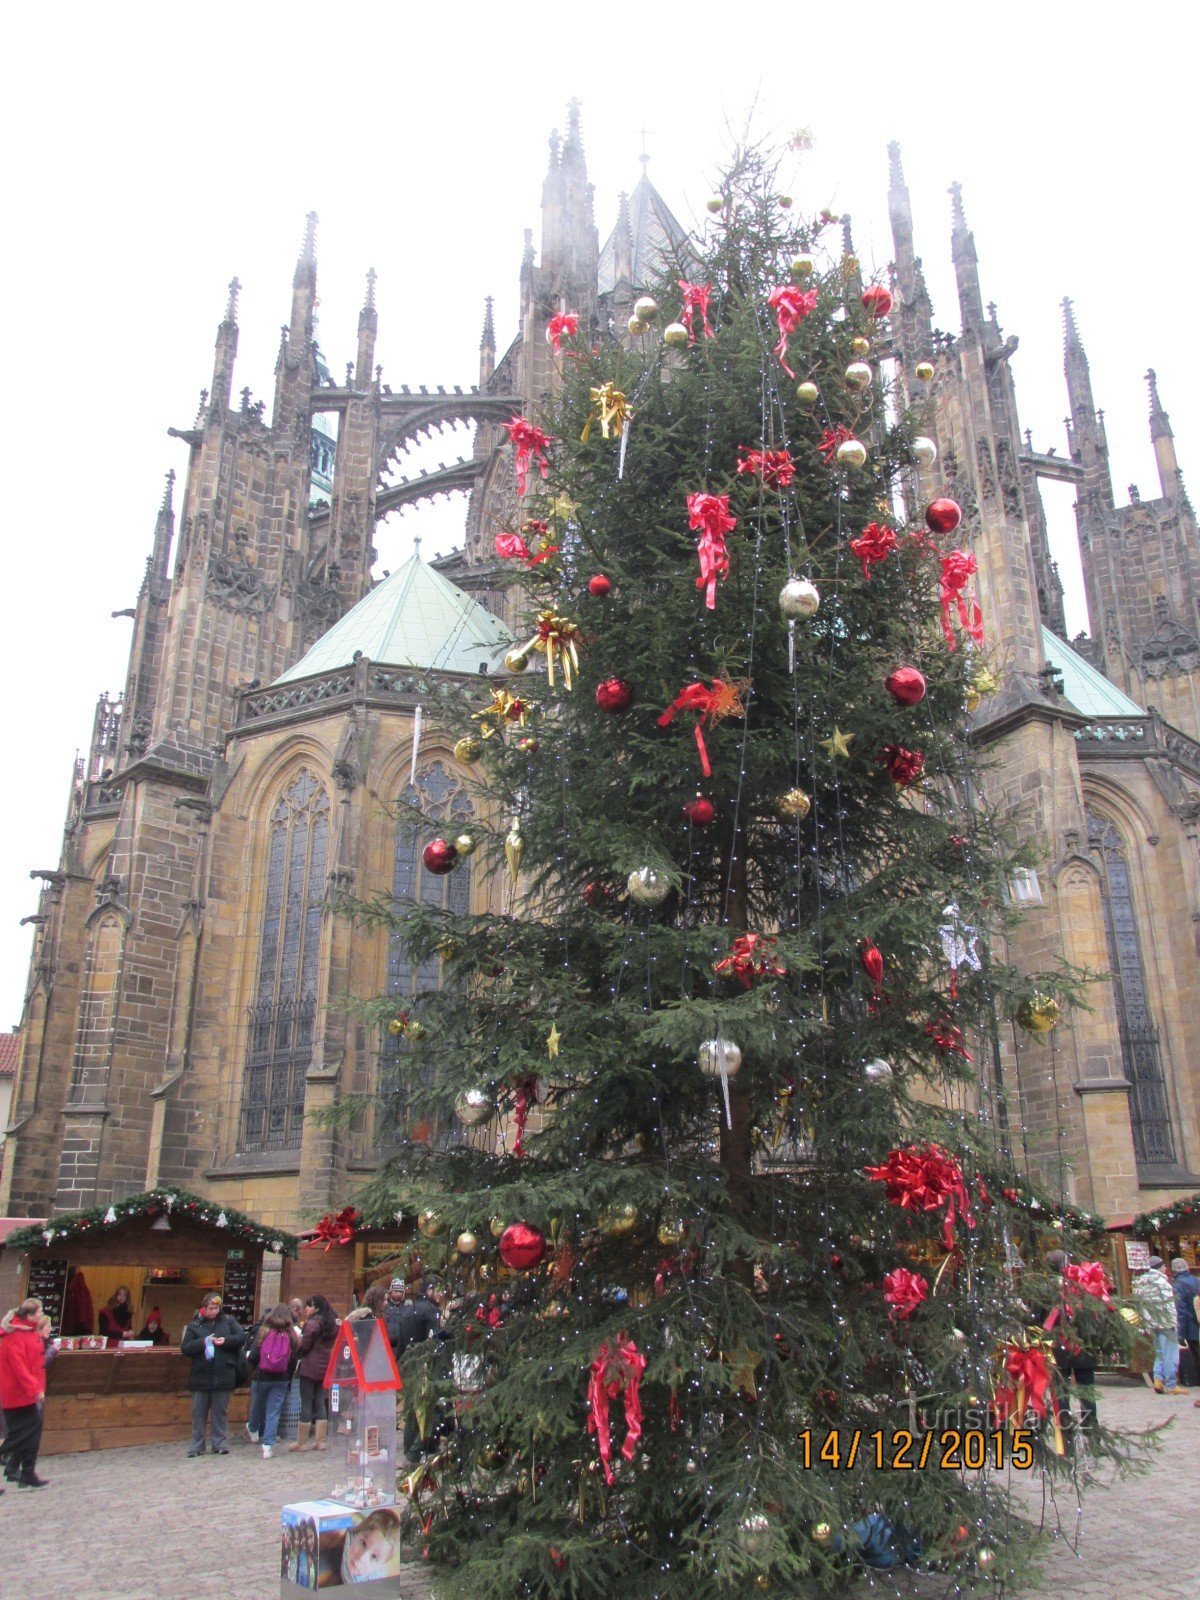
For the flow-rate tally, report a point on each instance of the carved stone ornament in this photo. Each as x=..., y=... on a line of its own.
x=237, y=587
x=1169, y=649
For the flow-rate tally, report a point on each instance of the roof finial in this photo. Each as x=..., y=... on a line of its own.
x=416, y=546
x=231, y=303
x=1160, y=423
x=488, y=341
x=308, y=254
x=644, y=158
x=369, y=302
x=573, y=121
x=956, y=201
x=169, y=490
x=895, y=170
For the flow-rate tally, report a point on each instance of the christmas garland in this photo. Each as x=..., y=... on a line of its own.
x=1163, y=1218
x=1019, y=1192
x=155, y=1202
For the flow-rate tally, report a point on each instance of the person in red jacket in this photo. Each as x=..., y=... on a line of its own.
x=24, y=1347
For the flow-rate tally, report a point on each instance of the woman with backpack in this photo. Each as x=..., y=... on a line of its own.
x=316, y=1346
x=272, y=1359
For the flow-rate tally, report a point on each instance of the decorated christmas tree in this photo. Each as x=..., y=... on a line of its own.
x=729, y=1210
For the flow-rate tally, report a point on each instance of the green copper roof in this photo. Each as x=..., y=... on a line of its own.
x=1089, y=691
x=414, y=618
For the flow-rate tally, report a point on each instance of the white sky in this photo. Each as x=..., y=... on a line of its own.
x=154, y=151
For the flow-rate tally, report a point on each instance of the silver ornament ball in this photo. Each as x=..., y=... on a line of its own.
x=799, y=598
x=924, y=451
x=878, y=1071
x=473, y=1107
x=859, y=375
x=647, y=887
x=710, y=1054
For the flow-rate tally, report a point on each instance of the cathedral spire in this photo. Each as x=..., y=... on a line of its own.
x=623, y=242
x=164, y=529
x=914, y=315
x=221, y=388
x=1160, y=422
x=294, y=368
x=1163, y=440
x=966, y=265
x=487, y=345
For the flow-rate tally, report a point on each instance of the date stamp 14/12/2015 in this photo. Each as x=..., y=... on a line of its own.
x=901, y=1450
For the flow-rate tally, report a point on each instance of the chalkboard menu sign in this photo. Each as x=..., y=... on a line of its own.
x=48, y=1283
x=241, y=1284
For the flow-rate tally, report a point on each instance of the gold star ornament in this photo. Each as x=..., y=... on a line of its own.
x=837, y=746
x=552, y=1042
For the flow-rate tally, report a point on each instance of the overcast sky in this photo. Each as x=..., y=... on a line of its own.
x=155, y=150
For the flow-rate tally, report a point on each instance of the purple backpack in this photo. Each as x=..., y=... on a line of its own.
x=275, y=1352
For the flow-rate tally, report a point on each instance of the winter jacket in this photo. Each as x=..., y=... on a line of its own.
x=22, y=1363
x=221, y=1371
x=1187, y=1287
x=1157, y=1298
x=316, y=1347
x=418, y=1320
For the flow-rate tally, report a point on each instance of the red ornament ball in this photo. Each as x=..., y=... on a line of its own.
x=699, y=812
x=599, y=585
x=597, y=894
x=835, y=1261
x=943, y=516
x=614, y=694
x=877, y=300
x=439, y=856
x=521, y=1246
x=906, y=686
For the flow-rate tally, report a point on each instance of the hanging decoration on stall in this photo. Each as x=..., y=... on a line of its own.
x=154, y=1203
x=335, y=1229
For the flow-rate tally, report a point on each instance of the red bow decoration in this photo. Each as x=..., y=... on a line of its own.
x=530, y=444
x=873, y=545
x=526, y=1090
x=1090, y=1278
x=775, y=468
x=720, y=699
x=828, y=443
x=512, y=547
x=791, y=306
x=925, y=1178
x=615, y=1373
x=949, y=1039
x=1030, y=1388
x=871, y=960
x=708, y=515
x=903, y=766
x=750, y=957
x=904, y=1291
x=336, y=1230
x=695, y=298
x=958, y=568
x=563, y=322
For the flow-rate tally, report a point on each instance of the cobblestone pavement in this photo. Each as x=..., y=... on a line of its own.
x=140, y=1524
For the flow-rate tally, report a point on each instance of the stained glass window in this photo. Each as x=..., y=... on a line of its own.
x=281, y=1021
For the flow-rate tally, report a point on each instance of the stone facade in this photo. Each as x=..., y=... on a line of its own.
x=157, y=1043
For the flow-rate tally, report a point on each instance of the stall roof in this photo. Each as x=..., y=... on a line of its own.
x=29, y=1234
x=11, y=1224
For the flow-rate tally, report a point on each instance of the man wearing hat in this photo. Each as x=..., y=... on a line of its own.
x=393, y=1310
x=1187, y=1287
x=1157, y=1296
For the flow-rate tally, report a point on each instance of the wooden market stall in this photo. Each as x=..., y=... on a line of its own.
x=168, y=1248
x=1170, y=1230
x=342, y=1263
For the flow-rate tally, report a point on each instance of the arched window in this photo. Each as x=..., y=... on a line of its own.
x=97, y=1009
x=1149, y=1109
x=283, y=1015
x=448, y=810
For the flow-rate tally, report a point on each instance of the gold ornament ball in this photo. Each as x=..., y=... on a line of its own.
x=807, y=393
x=924, y=451
x=415, y=1031
x=1038, y=1014
x=1131, y=1316
x=852, y=453
x=799, y=598
x=924, y=371
x=802, y=266
x=635, y=327
x=496, y=1226
x=860, y=346
x=710, y=1055
x=616, y=1221
x=647, y=887
x=795, y=804
x=474, y=1107
x=716, y=203
x=675, y=334
x=447, y=949
x=466, y=1244
x=985, y=1558
x=785, y=202
x=858, y=375
x=464, y=844
x=763, y=1582
x=429, y=1224
x=671, y=1231
x=822, y=1533
x=468, y=750
x=645, y=308
x=516, y=661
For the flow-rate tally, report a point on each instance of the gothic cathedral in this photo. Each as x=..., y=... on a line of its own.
x=183, y=1015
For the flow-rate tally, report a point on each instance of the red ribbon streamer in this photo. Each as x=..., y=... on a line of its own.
x=1030, y=1387
x=958, y=568
x=873, y=545
x=614, y=1373
x=926, y=1178
x=526, y=1098
x=337, y=1229
x=563, y=322
x=775, y=468
x=512, y=547
x=828, y=443
x=904, y=1292
x=695, y=298
x=791, y=306
x=750, y=957
x=694, y=697
x=949, y=1038
x=530, y=444
x=708, y=515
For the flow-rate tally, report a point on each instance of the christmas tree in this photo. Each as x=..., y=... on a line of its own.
x=731, y=1219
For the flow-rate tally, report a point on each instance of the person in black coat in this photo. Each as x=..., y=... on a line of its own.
x=212, y=1340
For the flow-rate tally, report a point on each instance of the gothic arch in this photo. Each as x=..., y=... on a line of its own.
x=1126, y=810
x=297, y=750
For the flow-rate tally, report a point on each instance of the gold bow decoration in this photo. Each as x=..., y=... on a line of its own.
x=503, y=707
x=610, y=409
x=556, y=639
